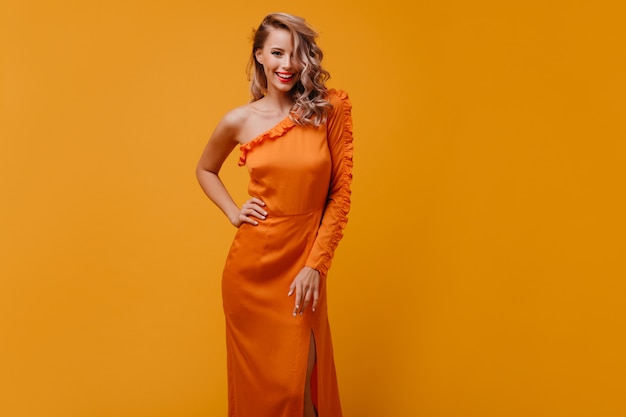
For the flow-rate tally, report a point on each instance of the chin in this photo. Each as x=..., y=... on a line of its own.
x=284, y=88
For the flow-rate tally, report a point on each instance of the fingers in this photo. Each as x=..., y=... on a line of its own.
x=316, y=298
x=296, y=287
x=256, y=201
x=309, y=293
x=251, y=209
x=254, y=207
x=298, y=301
x=306, y=289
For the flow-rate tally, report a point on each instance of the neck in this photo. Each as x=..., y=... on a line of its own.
x=280, y=101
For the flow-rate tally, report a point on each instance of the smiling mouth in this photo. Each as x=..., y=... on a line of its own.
x=283, y=76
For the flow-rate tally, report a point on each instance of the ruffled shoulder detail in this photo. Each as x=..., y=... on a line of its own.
x=341, y=95
x=277, y=131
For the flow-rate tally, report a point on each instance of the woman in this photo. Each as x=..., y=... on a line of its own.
x=295, y=137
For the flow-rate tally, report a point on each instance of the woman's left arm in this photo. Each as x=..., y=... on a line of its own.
x=339, y=131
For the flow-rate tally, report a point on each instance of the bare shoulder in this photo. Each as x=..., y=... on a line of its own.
x=239, y=121
x=235, y=118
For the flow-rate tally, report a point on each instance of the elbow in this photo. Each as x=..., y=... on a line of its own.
x=202, y=172
x=199, y=171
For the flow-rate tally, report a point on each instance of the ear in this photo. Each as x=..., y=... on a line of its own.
x=258, y=56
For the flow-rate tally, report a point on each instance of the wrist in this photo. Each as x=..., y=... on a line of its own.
x=234, y=221
x=312, y=269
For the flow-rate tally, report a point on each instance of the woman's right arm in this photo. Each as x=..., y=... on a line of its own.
x=217, y=149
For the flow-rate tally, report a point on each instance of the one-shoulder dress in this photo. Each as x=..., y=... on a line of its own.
x=303, y=174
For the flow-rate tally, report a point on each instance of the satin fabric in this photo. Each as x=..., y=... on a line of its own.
x=303, y=174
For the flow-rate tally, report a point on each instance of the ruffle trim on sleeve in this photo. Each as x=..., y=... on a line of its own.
x=277, y=131
x=343, y=193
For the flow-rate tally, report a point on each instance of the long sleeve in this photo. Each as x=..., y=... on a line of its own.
x=335, y=218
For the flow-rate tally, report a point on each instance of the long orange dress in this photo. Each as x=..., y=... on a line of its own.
x=303, y=174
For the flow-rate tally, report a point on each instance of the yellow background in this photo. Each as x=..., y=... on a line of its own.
x=482, y=272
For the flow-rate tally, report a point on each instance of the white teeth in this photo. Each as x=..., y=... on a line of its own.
x=285, y=77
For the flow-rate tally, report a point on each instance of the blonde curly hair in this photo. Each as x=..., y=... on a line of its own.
x=310, y=93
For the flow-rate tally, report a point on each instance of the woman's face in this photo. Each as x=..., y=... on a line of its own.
x=276, y=56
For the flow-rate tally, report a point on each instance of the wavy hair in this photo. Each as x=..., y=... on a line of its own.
x=309, y=94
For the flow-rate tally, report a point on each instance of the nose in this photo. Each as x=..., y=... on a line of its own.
x=286, y=62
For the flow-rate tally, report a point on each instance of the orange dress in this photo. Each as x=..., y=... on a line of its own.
x=303, y=175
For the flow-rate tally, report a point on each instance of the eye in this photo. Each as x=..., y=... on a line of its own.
x=277, y=53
